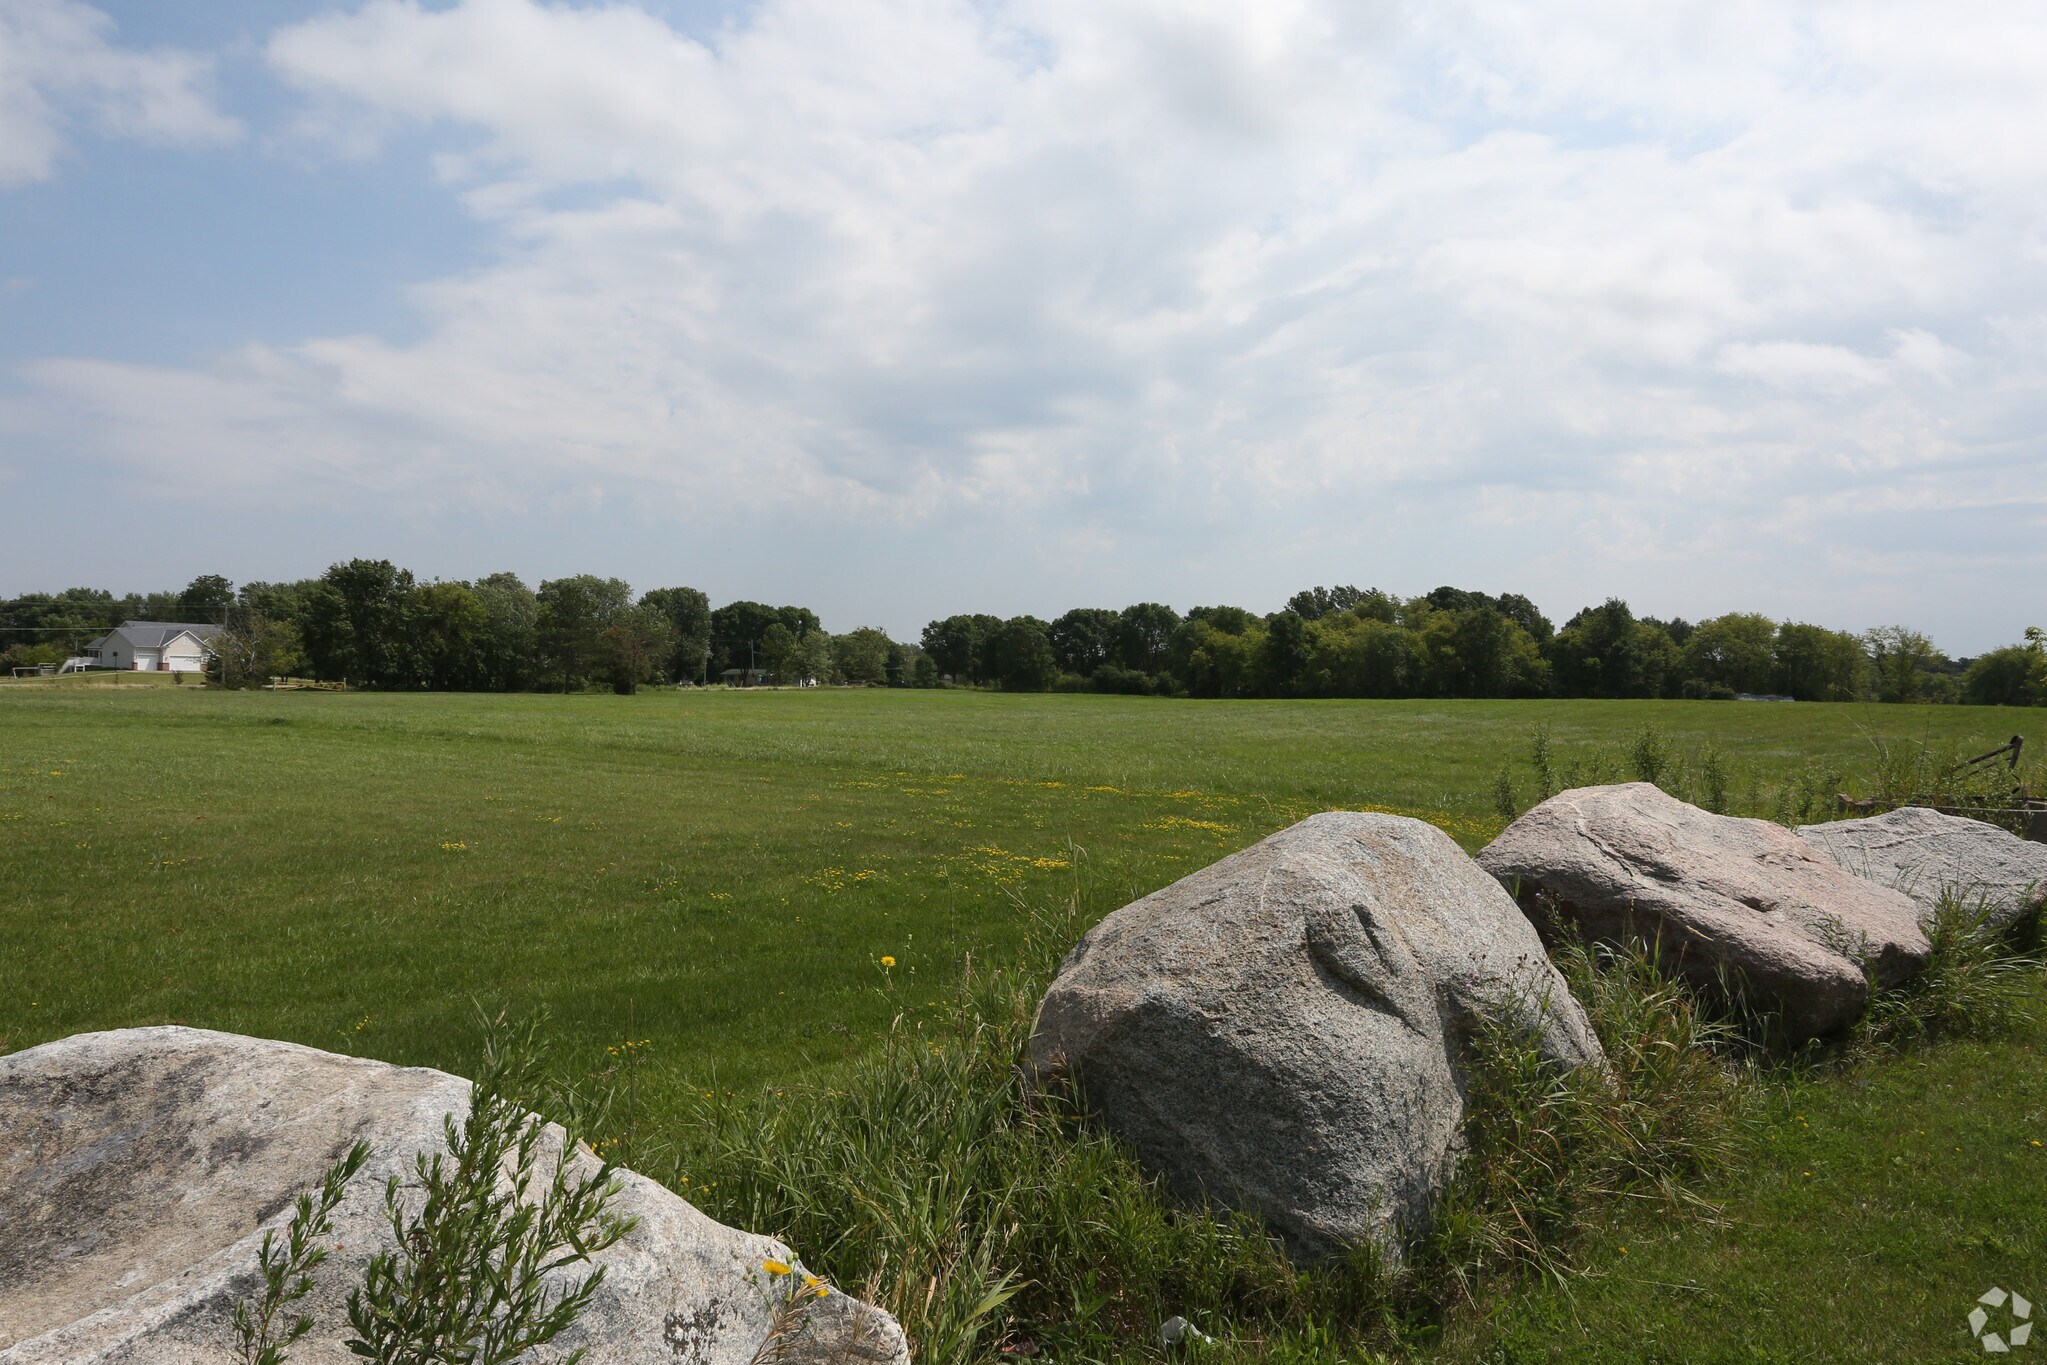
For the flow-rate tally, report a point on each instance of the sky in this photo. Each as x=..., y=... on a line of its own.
x=903, y=309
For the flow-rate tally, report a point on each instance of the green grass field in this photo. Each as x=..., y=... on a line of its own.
x=719, y=874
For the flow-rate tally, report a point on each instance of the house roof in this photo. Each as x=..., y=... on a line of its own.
x=157, y=634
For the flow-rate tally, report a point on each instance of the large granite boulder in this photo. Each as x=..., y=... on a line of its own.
x=140, y=1168
x=1928, y=855
x=1283, y=1032
x=1714, y=892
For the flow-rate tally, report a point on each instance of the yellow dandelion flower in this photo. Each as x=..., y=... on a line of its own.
x=774, y=1267
x=887, y=961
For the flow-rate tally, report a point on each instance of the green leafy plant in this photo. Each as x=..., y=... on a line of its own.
x=1505, y=802
x=261, y=1332
x=1541, y=759
x=472, y=1277
x=1649, y=755
x=1713, y=776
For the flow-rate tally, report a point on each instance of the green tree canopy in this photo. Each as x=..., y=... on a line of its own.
x=1903, y=663
x=1020, y=655
x=570, y=628
x=1817, y=664
x=1144, y=636
x=1604, y=651
x=357, y=623
x=959, y=645
x=781, y=653
x=206, y=598
x=2003, y=677
x=1312, y=604
x=449, y=626
x=1738, y=650
x=862, y=656
x=689, y=615
x=1084, y=639
x=508, y=644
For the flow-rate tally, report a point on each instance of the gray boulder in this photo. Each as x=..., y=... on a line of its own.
x=1282, y=1032
x=1926, y=855
x=140, y=1168
x=1714, y=892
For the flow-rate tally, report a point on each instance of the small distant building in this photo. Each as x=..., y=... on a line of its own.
x=744, y=677
x=153, y=647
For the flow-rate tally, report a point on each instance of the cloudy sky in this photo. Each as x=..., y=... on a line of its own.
x=900, y=309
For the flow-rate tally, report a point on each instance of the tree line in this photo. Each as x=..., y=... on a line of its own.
x=372, y=624
x=1453, y=642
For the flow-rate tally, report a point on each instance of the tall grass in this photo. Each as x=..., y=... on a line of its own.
x=996, y=1221
x=1896, y=770
x=1975, y=983
x=937, y=1183
x=1549, y=1148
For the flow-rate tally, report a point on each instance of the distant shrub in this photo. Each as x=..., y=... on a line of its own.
x=1127, y=682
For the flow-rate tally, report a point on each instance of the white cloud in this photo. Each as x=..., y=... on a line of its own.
x=1668, y=274
x=1798, y=364
x=58, y=64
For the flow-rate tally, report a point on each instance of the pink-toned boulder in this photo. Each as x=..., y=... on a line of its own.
x=1933, y=857
x=140, y=1169
x=1714, y=893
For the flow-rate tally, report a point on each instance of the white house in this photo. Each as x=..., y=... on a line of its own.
x=153, y=646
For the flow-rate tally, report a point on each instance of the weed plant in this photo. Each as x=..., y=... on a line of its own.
x=478, y=1269
x=263, y=1334
x=1649, y=755
x=1506, y=804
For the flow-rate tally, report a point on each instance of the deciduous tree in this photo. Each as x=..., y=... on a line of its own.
x=862, y=655
x=574, y=615
x=1738, y=650
x=689, y=614
x=1021, y=655
x=1902, y=660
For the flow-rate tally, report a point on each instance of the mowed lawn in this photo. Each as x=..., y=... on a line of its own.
x=716, y=876
x=1882, y=1203
x=716, y=872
